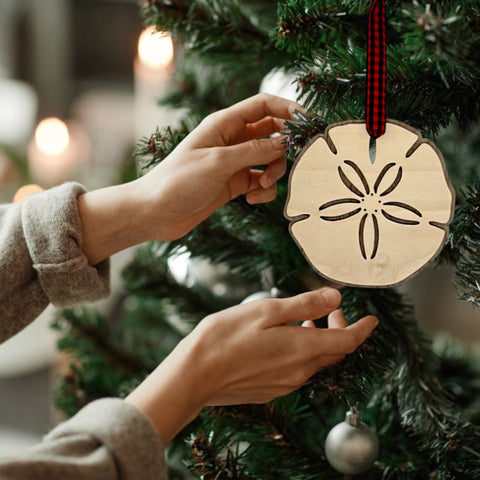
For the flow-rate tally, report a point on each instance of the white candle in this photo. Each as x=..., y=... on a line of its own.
x=18, y=109
x=153, y=68
x=56, y=151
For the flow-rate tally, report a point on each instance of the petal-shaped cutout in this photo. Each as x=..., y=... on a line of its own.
x=333, y=249
x=400, y=220
x=343, y=216
x=352, y=142
x=339, y=208
x=349, y=183
x=389, y=186
x=368, y=236
x=385, y=177
x=315, y=181
x=425, y=185
x=395, y=229
x=395, y=143
x=401, y=213
x=359, y=177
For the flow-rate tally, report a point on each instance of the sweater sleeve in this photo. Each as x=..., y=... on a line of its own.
x=106, y=440
x=41, y=261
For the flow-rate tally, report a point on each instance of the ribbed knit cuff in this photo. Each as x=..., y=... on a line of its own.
x=52, y=230
x=129, y=436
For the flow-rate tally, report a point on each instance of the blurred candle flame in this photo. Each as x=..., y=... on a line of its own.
x=51, y=136
x=155, y=48
x=25, y=191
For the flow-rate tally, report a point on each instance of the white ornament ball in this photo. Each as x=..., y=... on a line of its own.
x=351, y=447
x=280, y=83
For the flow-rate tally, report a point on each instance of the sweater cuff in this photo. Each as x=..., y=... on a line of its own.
x=128, y=435
x=53, y=233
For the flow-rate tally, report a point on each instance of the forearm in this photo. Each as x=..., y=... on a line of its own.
x=112, y=219
x=173, y=394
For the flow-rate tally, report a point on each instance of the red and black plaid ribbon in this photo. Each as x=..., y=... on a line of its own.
x=376, y=69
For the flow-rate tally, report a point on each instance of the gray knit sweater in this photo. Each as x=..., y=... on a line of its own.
x=41, y=263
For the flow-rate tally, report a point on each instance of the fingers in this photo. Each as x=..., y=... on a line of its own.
x=262, y=195
x=252, y=153
x=265, y=127
x=274, y=171
x=306, y=306
x=362, y=329
x=263, y=105
x=263, y=187
x=341, y=341
x=337, y=320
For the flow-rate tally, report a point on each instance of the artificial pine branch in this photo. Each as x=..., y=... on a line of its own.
x=201, y=88
x=333, y=83
x=91, y=329
x=152, y=150
x=99, y=364
x=460, y=372
x=433, y=66
x=213, y=459
x=464, y=240
x=452, y=445
x=265, y=441
x=215, y=29
x=301, y=131
x=148, y=275
x=432, y=28
x=306, y=27
x=450, y=441
x=433, y=75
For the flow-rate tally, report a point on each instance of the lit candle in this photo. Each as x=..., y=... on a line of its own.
x=153, y=68
x=56, y=151
x=25, y=191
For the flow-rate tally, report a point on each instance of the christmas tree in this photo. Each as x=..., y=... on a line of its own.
x=422, y=404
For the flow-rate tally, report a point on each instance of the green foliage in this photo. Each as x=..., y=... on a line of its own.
x=101, y=361
x=433, y=59
x=464, y=245
x=219, y=31
x=423, y=407
x=152, y=150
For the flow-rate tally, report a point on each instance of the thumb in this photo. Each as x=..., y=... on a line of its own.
x=254, y=152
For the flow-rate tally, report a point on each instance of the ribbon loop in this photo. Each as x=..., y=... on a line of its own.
x=376, y=69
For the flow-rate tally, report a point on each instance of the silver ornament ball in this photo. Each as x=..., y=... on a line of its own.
x=351, y=447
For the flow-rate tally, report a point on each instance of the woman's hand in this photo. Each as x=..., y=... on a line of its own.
x=210, y=167
x=248, y=354
x=214, y=164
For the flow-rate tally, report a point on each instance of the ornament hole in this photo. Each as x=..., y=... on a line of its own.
x=372, y=149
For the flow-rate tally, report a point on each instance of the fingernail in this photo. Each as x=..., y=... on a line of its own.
x=281, y=142
x=332, y=297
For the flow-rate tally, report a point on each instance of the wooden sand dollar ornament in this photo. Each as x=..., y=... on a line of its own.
x=370, y=202
x=369, y=224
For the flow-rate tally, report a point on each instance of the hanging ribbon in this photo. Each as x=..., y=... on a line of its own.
x=376, y=70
